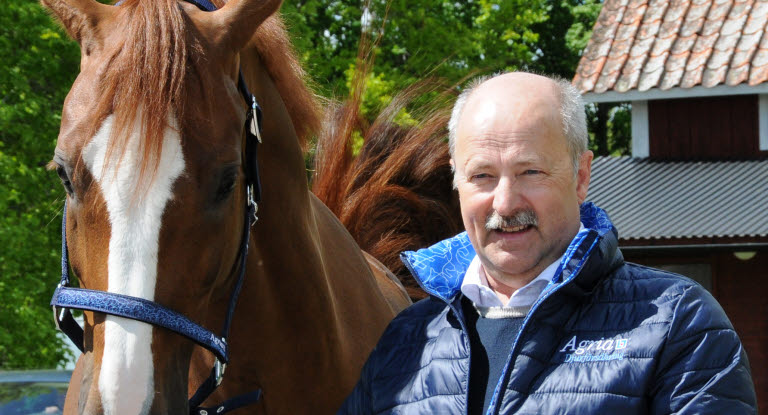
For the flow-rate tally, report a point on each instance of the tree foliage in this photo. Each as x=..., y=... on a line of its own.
x=447, y=39
x=450, y=40
x=39, y=64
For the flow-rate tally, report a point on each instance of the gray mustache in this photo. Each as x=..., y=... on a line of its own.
x=521, y=218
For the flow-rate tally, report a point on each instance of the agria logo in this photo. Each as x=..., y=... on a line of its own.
x=594, y=350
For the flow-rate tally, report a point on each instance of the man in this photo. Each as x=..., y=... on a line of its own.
x=533, y=310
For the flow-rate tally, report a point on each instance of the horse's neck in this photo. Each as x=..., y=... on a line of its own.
x=295, y=228
x=309, y=296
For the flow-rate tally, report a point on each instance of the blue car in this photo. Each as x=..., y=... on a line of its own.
x=33, y=392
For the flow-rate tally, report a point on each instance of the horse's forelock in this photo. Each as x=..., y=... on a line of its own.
x=144, y=81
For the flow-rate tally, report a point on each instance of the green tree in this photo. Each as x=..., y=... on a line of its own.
x=39, y=64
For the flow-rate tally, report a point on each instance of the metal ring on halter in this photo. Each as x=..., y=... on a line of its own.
x=58, y=313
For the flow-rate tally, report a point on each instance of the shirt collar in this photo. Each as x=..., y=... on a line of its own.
x=475, y=286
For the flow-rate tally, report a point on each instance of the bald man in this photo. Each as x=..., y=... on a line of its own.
x=533, y=309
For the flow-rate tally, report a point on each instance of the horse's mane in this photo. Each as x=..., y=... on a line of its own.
x=397, y=194
x=148, y=75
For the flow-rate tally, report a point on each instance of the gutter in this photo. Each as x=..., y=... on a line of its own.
x=677, y=249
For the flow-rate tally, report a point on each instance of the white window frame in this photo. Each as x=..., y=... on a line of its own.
x=762, y=115
x=640, y=140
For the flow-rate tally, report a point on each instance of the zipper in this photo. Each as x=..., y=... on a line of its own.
x=492, y=407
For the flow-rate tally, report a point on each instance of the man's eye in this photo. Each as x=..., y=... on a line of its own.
x=480, y=176
x=532, y=172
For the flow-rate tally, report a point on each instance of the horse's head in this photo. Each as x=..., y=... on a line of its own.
x=150, y=153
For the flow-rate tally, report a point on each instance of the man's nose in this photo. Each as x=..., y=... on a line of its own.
x=507, y=197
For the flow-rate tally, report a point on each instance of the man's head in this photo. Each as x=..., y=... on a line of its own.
x=519, y=151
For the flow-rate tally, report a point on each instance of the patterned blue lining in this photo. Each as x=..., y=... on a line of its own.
x=440, y=268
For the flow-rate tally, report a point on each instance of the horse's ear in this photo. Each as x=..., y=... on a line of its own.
x=81, y=18
x=238, y=20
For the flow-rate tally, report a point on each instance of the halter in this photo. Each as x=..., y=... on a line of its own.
x=66, y=297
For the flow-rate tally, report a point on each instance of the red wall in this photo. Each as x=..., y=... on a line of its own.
x=704, y=128
x=742, y=289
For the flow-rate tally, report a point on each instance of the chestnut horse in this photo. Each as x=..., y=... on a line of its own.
x=151, y=155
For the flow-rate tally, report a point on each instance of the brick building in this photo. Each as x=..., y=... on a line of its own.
x=693, y=197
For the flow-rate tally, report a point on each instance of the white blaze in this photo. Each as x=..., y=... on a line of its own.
x=126, y=383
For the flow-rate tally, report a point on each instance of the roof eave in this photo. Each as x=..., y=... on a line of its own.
x=672, y=93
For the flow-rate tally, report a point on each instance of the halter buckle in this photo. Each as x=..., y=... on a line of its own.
x=219, y=369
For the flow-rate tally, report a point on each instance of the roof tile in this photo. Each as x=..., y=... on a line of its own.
x=630, y=73
x=714, y=76
x=697, y=11
x=692, y=26
x=611, y=69
x=737, y=75
x=758, y=75
x=627, y=82
x=626, y=32
x=655, y=63
x=677, y=62
x=641, y=47
x=634, y=13
x=760, y=58
x=745, y=49
x=662, y=45
x=643, y=44
x=715, y=18
x=705, y=43
x=692, y=77
x=620, y=48
x=590, y=73
x=726, y=43
x=757, y=17
x=669, y=27
x=749, y=41
x=683, y=44
x=656, y=10
x=649, y=80
x=733, y=25
x=674, y=70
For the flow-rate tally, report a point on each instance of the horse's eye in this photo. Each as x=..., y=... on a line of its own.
x=62, y=172
x=226, y=185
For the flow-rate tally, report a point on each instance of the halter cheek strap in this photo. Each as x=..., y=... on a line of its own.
x=66, y=297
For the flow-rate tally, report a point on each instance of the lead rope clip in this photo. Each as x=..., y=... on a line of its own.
x=253, y=203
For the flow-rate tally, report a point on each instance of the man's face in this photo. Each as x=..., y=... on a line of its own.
x=515, y=176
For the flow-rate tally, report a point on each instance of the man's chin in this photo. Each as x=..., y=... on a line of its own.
x=509, y=265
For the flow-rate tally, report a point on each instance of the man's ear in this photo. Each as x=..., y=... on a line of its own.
x=232, y=26
x=453, y=170
x=583, y=175
x=81, y=19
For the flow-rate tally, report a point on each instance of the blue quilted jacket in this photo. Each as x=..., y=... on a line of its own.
x=605, y=337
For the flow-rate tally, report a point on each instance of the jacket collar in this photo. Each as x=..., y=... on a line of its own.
x=440, y=268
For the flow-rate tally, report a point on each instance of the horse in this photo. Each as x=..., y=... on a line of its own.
x=153, y=156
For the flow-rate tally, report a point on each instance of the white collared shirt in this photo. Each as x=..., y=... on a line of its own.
x=475, y=286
